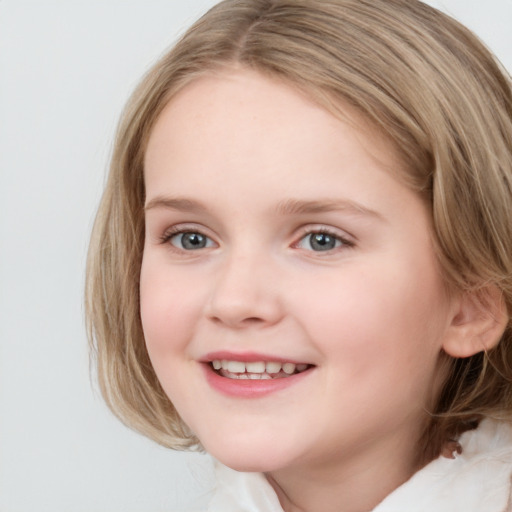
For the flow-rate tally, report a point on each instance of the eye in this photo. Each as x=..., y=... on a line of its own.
x=321, y=241
x=190, y=241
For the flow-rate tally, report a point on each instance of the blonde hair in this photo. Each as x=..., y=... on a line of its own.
x=426, y=81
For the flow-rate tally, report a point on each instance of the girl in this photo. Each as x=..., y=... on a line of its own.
x=302, y=261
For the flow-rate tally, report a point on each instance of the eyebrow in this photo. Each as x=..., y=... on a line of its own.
x=176, y=203
x=296, y=206
x=286, y=207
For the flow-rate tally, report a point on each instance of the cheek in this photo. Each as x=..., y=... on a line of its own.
x=376, y=320
x=169, y=314
x=168, y=306
x=377, y=340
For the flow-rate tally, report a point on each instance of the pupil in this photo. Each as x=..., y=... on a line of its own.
x=322, y=242
x=193, y=241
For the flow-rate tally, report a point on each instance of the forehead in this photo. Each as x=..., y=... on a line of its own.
x=242, y=114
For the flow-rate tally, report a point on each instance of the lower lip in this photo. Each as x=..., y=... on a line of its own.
x=250, y=388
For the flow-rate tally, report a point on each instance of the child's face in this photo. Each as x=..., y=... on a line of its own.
x=275, y=233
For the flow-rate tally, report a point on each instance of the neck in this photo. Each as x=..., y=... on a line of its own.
x=358, y=484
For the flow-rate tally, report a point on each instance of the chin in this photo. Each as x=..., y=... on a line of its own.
x=248, y=464
x=249, y=457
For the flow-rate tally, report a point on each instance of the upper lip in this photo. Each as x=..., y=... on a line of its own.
x=247, y=357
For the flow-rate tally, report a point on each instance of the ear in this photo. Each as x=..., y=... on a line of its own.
x=478, y=322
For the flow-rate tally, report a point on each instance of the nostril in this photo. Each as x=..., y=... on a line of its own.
x=253, y=320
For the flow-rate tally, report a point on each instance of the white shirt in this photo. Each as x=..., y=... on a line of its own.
x=478, y=480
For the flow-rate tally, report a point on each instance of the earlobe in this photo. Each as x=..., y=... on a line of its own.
x=477, y=324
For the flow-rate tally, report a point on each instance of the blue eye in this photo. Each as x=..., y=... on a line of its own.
x=320, y=242
x=191, y=241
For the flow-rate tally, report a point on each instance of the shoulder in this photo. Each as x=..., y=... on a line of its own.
x=478, y=479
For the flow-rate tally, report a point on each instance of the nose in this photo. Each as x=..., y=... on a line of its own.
x=245, y=293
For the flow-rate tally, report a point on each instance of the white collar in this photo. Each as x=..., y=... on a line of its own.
x=242, y=492
x=478, y=480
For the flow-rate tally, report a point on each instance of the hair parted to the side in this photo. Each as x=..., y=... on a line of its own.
x=424, y=80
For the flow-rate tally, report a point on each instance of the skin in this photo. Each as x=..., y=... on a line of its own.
x=371, y=314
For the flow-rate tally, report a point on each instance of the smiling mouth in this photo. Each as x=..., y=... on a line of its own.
x=257, y=370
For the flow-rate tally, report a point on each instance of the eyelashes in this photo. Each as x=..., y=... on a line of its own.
x=322, y=240
x=191, y=241
x=311, y=239
x=187, y=238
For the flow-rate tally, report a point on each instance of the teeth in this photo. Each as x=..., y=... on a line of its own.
x=273, y=367
x=288, y=368
x=257, y=369
x=233, y=366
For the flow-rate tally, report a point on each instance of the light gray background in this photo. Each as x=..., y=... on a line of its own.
x=66, y=69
